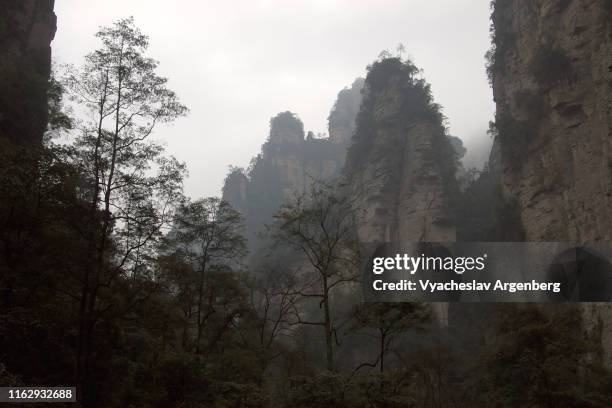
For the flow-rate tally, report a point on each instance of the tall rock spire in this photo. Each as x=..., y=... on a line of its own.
x=400, y=167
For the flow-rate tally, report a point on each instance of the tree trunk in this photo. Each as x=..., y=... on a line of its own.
x=82, y=341
x=328, y=327
x=382, y=352
x=199, y=316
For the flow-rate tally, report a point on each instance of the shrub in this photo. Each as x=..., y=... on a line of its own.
x=502, y=37
x=415, y=105
x=529, y=103
x=514, y=136
x=550, y=65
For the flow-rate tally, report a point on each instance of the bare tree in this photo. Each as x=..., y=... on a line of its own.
x=273, y=297
x=319, y=226
x=207, y=238
x=385, y=322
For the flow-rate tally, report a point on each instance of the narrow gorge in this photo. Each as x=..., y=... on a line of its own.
x=127, y=277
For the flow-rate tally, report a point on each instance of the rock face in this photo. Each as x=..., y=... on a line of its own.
x=343, y=114
x=552, y=82
x=551, y=68
x=400, y=168
x=27, y=28
x=290, y=162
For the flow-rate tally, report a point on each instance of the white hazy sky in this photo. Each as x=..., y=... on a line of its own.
x=236, y=64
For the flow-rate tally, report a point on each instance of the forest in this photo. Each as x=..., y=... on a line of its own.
x=114, y=281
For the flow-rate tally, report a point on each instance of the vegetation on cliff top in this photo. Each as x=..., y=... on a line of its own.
x=415, y=103
x=396, y=98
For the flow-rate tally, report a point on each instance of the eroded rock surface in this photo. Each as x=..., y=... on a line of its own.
x=552, y=85
x=552, y=80
x=27, y=28
x=400, y=168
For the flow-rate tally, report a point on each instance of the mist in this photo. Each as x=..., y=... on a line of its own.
x=199, y=195
x=237, y=65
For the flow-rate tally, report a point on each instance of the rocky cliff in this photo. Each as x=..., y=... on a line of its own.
x=551, y=70
x=552, y=79
x=27, y=28
x=400, y=168
x=291, y=161
x=343, y=114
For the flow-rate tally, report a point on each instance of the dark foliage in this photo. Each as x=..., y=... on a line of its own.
x=415, y=105
x=503, y=39
x=550, y=65
x=286, y=127
x=515, y=136
x=539, y=357
x=484, y=214
x=179, y=322
x=530, y=104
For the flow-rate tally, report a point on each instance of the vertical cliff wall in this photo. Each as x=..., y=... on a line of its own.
x=342, y=116
x=552, y=79
x=400, y=167
x=551, y=69
x=27, y=28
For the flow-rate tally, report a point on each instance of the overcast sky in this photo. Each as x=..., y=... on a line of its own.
x=236, y=64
